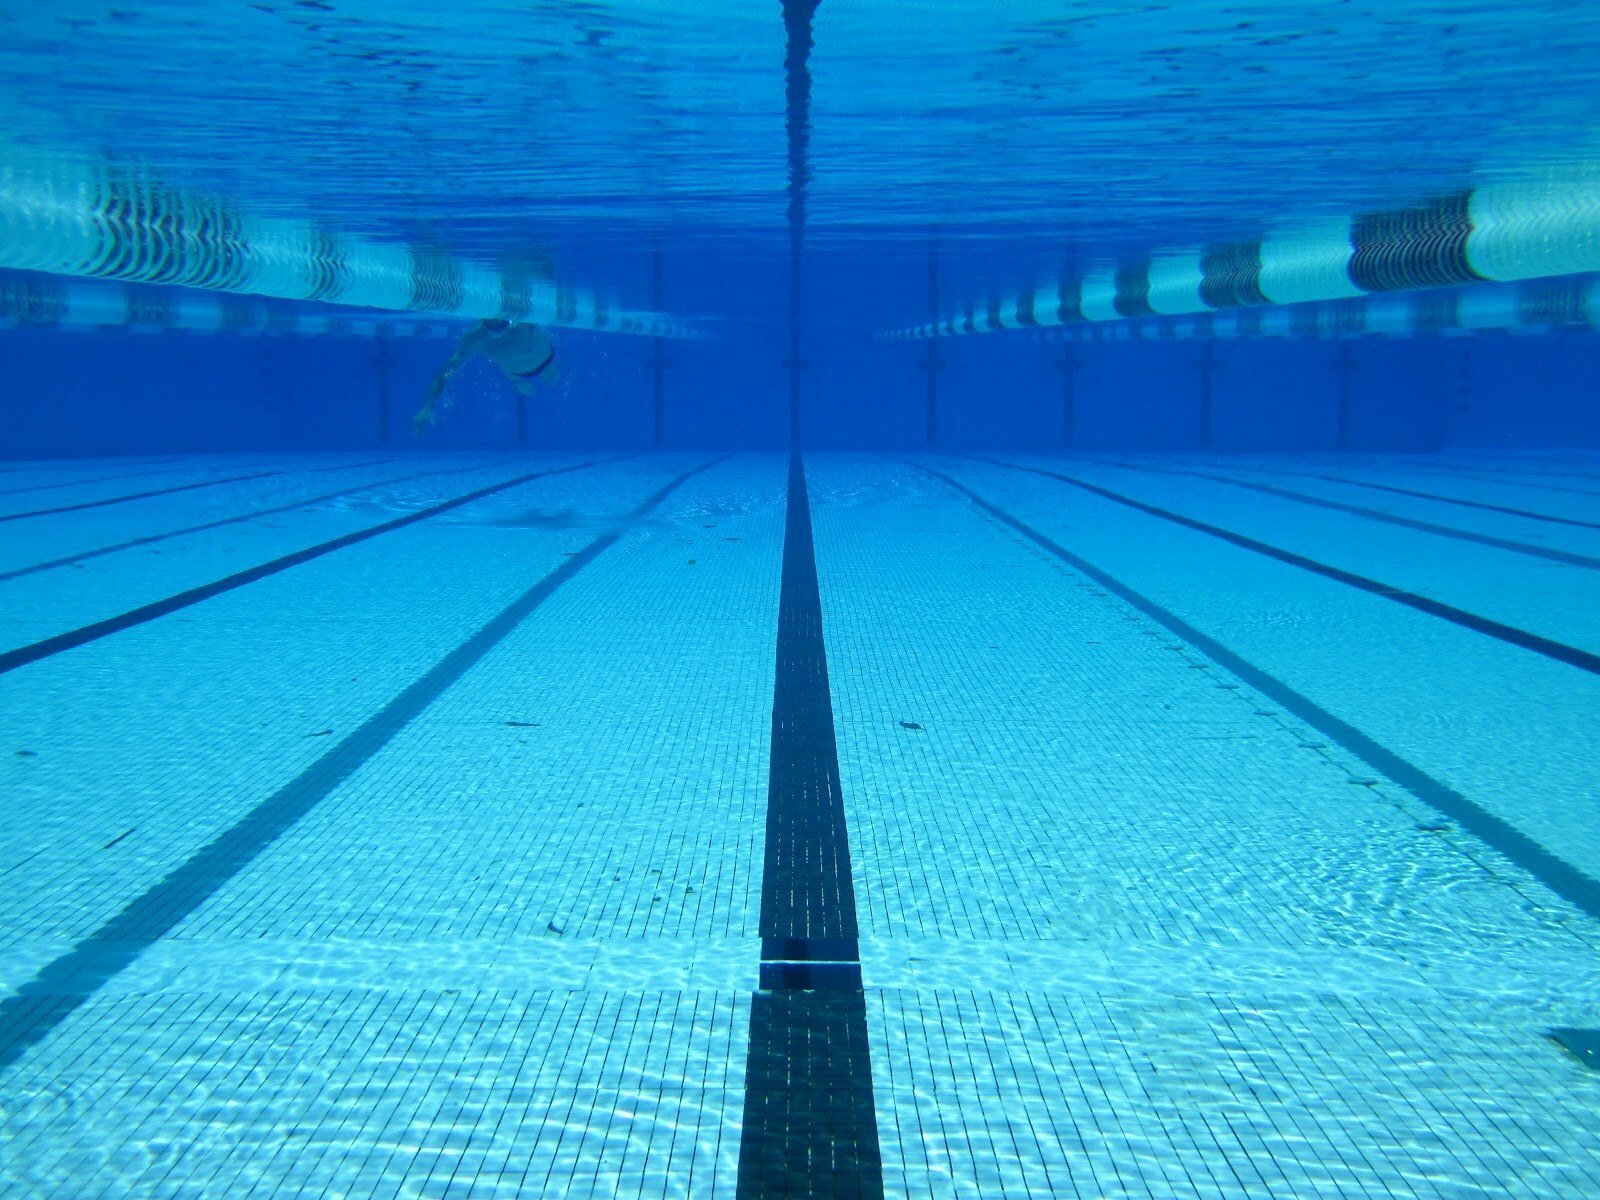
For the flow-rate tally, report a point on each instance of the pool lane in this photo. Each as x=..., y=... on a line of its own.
x=1534, y=463
x=254, y=513
x=51, y=615
x=13, y=467
x=239, y=694
x=1572, y=482
x=89, y=472
x=1567, y=881
x=88, y=485
x=1529, y=548
x=173, y=489
x=1491, y=520
x=1544, y=607
x=1126, y=926
x=51, y=484
x=1494, y=722
x=1118, y=909
x=1479, y=496
x=27, y=543
x=516, y=943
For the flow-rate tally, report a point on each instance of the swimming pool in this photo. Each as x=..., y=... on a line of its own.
x=848, y=599
x=333, y=870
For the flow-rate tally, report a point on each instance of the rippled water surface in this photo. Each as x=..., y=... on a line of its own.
x=483, y=126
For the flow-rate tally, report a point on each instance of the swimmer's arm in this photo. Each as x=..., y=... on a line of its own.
x=468, y=347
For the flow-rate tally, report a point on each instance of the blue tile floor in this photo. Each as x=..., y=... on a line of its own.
x=1218, y=827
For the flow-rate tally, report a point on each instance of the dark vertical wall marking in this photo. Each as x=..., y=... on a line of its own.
x=1342, y=372
x=658, y=361
x=930, y=360
x=1069, y=397
x=381, y=362
x=809, y=1124
x=1070, y=362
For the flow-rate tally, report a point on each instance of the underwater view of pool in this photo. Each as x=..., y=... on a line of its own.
x=843, y=599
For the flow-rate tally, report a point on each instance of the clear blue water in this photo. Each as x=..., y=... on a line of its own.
x=1140, y=742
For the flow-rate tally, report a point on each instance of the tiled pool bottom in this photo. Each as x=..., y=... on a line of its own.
x=431, y=864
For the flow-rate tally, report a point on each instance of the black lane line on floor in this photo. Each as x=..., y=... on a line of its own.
x=70, y=559
x=50, y=487
x=1400, y=491
x=1582, y=1044
x=1509, y=634
x=186, y=487
x=1567, y=881
x=1464, y=535
x=14, y=465
x=1491, y=469
x=66, y=984
x=1500, y=477
x=810, y=1128
x=34, y=651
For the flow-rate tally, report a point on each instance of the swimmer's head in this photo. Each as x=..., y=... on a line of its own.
x=496, y=324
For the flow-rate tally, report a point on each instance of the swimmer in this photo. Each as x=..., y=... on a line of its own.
x=522, y=352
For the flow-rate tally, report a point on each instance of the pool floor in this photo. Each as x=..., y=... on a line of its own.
x=397, y=825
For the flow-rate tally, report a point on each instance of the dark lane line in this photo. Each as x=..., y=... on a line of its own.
x=69, y=559
x=1554, y=470
x=1509, y=634
x=175, y=466
x=67, y=983
x=187, y=487
x=1400, y=491
x=1482, y=539
x=1533, y=472
x=34, y=651
x=1566, y=880
x=17, y=466
x=810, y=1127
x=1488, y=475
x=50, y=487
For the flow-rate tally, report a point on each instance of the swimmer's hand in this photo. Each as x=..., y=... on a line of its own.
x=425, y=414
